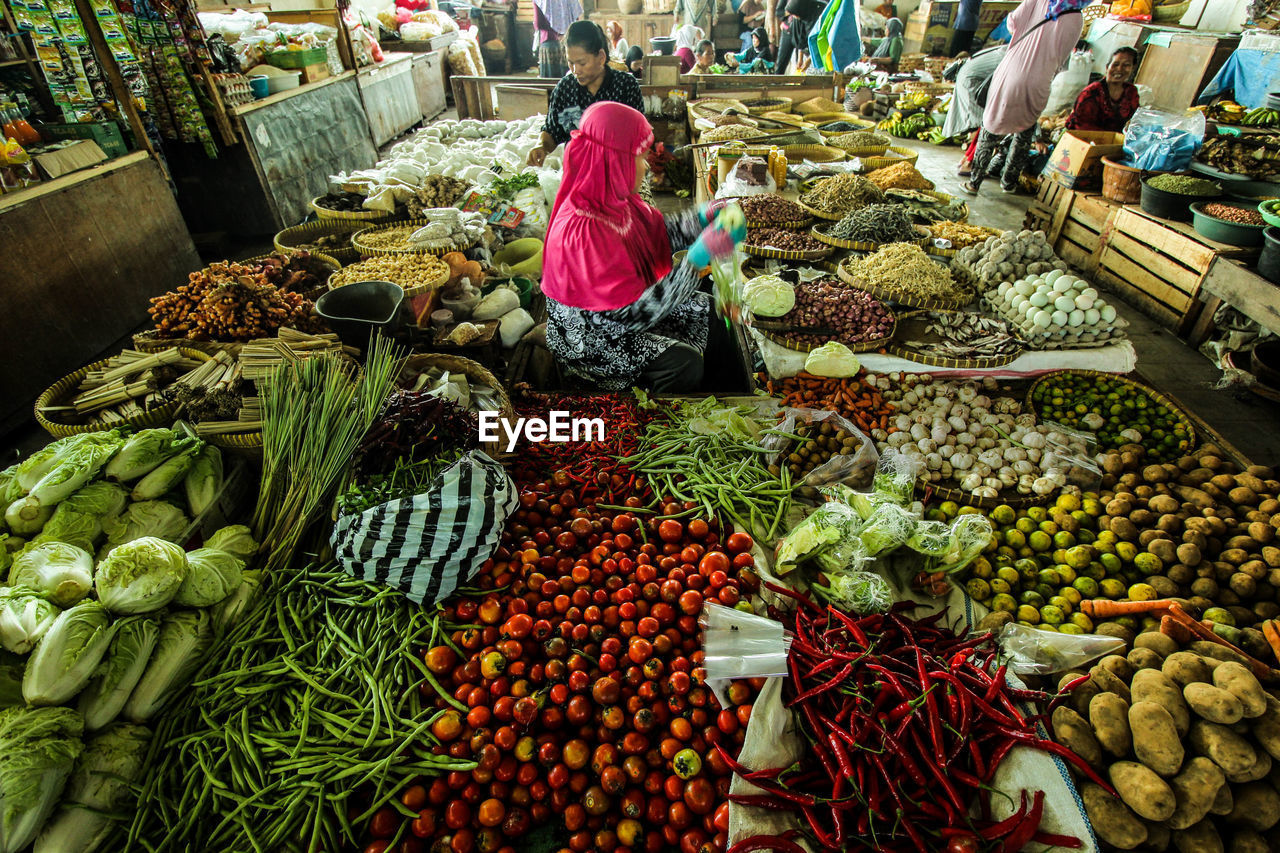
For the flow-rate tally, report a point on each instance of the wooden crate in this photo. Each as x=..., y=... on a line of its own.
x=1159, y=265
x=1080, y=227
x=1039, y=216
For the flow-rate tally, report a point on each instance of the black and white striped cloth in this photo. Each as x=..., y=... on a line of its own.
x=428, y=545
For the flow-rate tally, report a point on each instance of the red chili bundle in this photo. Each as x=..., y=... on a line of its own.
x=908, y=725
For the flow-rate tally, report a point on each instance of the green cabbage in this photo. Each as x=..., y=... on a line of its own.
x=140, y=576
x=822, y=530
x=232, y=609
x=769, y=296
x=10, y=490
x=29, y=471
x=204, y=480
x=81, y=529
x=147, y=450
x=832, y=359
x=100, y=498
x=971, y=533
x=212, y=575
x=11, y=682
x=235, y=539
x=74, y=467
x=25, y=616
x=38, y=749
x=113, y=682
x=146, y=518
x=21, y=523
x=165, y=476
x=98, y=791
x=889, y=527
x=931, y=538
x=184, y=638
x=66, y=656
x=61, y=572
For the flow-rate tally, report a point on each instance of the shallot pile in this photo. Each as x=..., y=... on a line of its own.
x=855, y=315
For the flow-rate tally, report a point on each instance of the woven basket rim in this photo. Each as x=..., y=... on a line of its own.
x=787, y=254
x=891, y=295
x=326, y=213
x=409, y=292
x=64, y=386
x=949, y=493
x=822, y=214
x=859, y=246
x=369, y=251
x=902, y=351
x=320, y=227
x=474, y=371
x=1192, y=435
x=861, y=346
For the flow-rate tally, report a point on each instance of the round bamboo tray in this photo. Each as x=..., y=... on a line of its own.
x=475, y=372
x=861, y=346
x=933, y=491
x=852, y=118
x=813, y=153
x=149, y=341
x=339, y=280
x=822, y=214
x=245, y=443
x=1142, y=388
x=65, y=388
x=865, y=152
x=290, y=238
x=712, y=107
x=1170, y=14
x=773, y=105
x=818, y=233
x=916, y=320
x=786, y=255
x=797, y=225
x=367, y=251
x=907, y=155
x=900, y=297
x=358, y=215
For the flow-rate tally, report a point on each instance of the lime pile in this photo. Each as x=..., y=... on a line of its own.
x=1117, y=412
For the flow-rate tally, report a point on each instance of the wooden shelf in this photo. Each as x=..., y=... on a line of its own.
x=5, y=63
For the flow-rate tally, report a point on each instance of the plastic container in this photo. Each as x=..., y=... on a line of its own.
x=1121, y=183
x=1269, y=263
x=522, y=257
x=284, y=82
x=1223, y=231
x=260, y=85
x=353, y=311
x=1270, y=211
x=1169, y=205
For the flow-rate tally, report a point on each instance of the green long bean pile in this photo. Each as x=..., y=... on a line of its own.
x=711, y=454
x=305, y=720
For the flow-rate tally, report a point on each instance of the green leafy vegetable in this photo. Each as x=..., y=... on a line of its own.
x=235, y=539
x=66, y=656
x=100, y=498
x=212, y=575
x=38, y=749
x=184, y=638
x=145, y=518
x=73, y=468
x=227, y=614
x=98, y=791
x=25, y=616
x=23, y=525
x=141, y=576
x=204, y=479
x=115, y=678
x=147, y=450
x=165, y=476
x=61, y=572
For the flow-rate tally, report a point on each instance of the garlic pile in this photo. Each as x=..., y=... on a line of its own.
x=1056, y=310
x=966, y=437
x=1006, y=258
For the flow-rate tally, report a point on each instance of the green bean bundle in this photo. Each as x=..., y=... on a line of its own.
x=713, y=455
x=876, y=223
x=308, y=708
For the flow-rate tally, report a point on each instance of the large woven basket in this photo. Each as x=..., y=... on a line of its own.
x=905, y=155
x=1121, y=183
x=935, y=492
x=1142, y=388
x=819, y=233
x=777, y=104
x=787, y=254
x=291, y=238
x=889, y=294
x=65, y=388
x=1170, y=14
x=475, y=372
x=813, y=153
x=860, y=346
x=416, y=290
x=367, y=251
x=356, y=215
x=912, y=324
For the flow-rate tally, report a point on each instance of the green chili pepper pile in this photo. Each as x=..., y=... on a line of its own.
x=304, y=722
x=712, y=455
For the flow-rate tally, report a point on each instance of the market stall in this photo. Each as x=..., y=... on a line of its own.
x=300, y=571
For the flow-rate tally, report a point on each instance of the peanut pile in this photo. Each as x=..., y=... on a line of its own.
x=1231, y=213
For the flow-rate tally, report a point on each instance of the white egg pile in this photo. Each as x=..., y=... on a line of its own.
x=1056, y=310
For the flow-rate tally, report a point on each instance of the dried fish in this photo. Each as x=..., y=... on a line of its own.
x=963, y=335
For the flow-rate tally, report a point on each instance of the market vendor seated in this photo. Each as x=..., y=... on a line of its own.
x=618, y=313
x=1108, y=104
x=705, y=56
x=591, y=81
x=756, y=59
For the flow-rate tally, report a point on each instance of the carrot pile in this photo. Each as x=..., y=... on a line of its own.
x=857, y=401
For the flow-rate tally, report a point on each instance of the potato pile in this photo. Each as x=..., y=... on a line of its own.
x=1187, y=740
x=1201, y=530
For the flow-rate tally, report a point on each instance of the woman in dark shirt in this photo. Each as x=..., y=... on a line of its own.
x=1108, y=104
x=592, y=81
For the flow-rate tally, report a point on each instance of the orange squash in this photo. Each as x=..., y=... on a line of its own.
x=456, y=261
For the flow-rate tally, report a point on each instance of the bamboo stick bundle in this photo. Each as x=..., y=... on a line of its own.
x=227, y=427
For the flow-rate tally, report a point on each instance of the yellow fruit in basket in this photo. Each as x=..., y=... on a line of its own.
x=1081, y=623
x=1126, y=551
x=1111, y=588
x=1143, y=592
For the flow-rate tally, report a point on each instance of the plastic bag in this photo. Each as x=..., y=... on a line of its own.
x=1033, y=651
x=1068, y=83
x=896, y=475
x=828, y=535
x=855, y=469
x=745, y=179
x=1132, y=10
x=1161, y=141
x=738, y=644
x=1068, y=457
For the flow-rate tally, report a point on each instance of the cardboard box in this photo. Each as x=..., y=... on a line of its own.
x=76, y=156
x=315, y=73
x=105, y=133
x=1076, y=162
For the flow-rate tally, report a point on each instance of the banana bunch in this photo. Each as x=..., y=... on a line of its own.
x=915, y=100
x=910, y=126
x=1261, y=117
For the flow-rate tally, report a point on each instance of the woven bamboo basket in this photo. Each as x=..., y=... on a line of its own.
x=813, y=153
x=1170, y=14
x=65, y=388
x=246, y=443
x=1121, y=183
x=1141, y=387
x=822, y=214
x=818, y=232
x=858, y=346
x=150, y=341
x=889, y=294
x=798, y=225
x=416, y=290
x=290, y=238
x=367, y=251
x=865, y=151
x=711, y=107
x=358, y=215
x=475, y=372
x=776, y=104
x=786, y=255
x=905, y=155
x=912, y=324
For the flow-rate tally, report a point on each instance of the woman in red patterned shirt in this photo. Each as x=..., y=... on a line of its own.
x=1109, y=103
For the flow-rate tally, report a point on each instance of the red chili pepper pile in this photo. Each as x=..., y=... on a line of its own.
x=577, y=687
x=907, y=725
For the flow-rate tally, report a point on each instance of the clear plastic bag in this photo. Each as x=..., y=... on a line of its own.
x=855, y=469
x=828, y=535
x=743, y=179
x=896, y=475
x=1162, y=141
x=1033, y=651
x=1068, y=457
x=738, y=644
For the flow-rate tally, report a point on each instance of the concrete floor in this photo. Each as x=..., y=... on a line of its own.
x=1243, y=419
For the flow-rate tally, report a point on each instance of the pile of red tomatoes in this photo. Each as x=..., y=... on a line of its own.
x=580, y=691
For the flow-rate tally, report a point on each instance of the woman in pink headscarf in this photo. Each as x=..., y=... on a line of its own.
x=618, y=314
